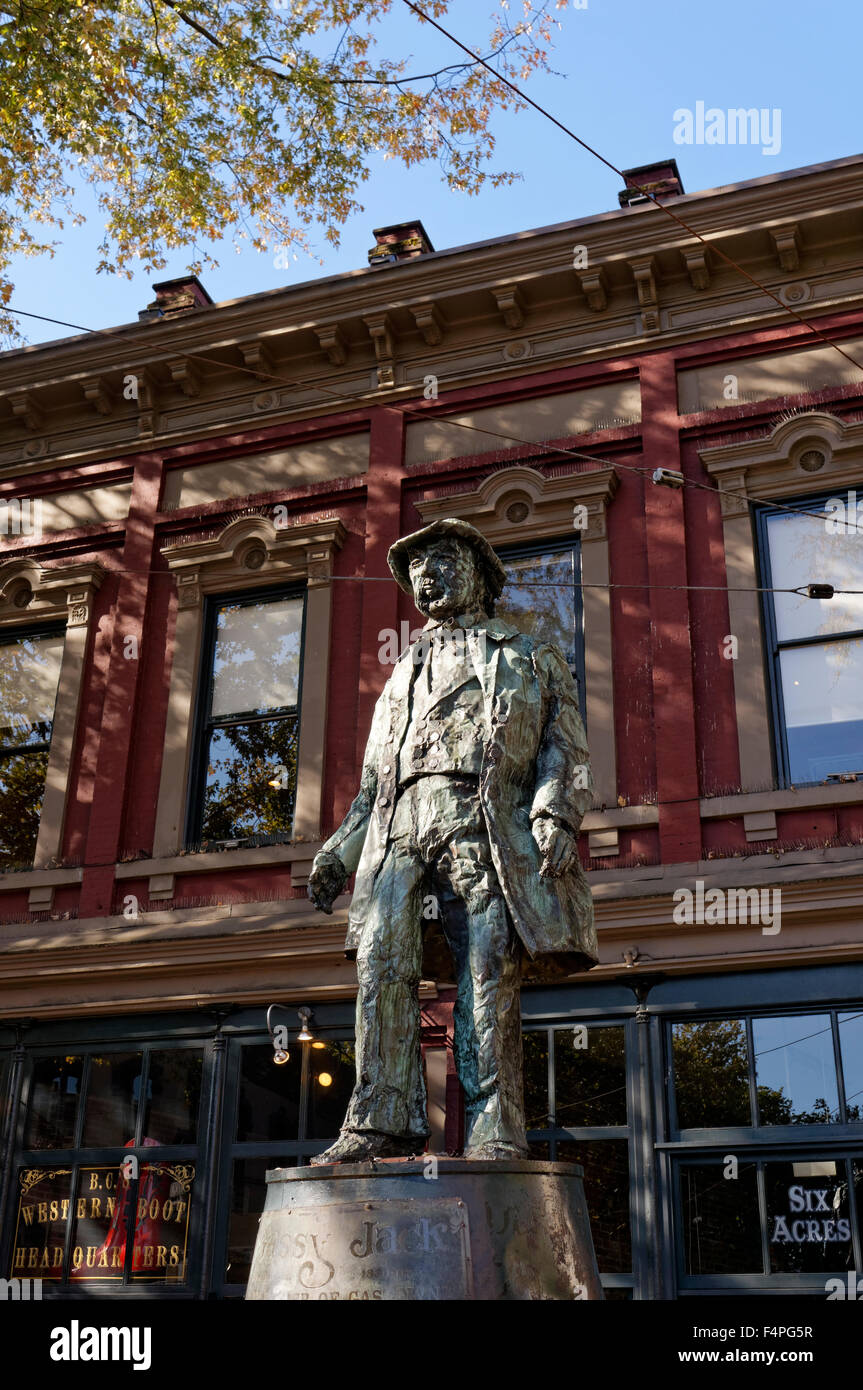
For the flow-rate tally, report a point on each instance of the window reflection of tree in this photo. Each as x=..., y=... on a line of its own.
x=255, y=673
x=29, y=672
x=539, y=598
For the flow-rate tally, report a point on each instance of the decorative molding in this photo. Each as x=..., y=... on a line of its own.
x=697, y=266
x=99, y=395
x=510, y=305
x=185, y=374
x=332, y=340
x=25, y=410
x=782, y=463
x=550, y=504
x=595, y=288
x=786, y=243
x=644, y=272
x=429, y=323
x=256, y=355
x=381, y=332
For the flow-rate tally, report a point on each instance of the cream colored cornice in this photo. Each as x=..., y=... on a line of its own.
x=469, y=314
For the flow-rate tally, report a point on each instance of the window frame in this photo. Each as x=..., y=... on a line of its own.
x=202, y=723
x=21, y=634
x=758, y=1144
x=586, y=1134
x=533, y=550
x=774, y=647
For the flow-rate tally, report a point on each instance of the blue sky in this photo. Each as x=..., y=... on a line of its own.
x=621, y=70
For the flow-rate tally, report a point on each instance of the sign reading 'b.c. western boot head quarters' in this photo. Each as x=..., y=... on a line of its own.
x=108, y=1203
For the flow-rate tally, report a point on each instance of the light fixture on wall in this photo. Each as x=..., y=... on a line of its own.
x=304, y=1034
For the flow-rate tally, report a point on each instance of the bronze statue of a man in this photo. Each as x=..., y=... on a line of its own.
x=474, y=783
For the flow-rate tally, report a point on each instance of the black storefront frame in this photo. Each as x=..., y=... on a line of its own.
x=654, y=1148
x=219, y=1031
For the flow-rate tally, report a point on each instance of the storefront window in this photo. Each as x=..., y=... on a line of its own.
x=606, y=1189
x=851, y=1045
x=122, y=1216
x=788, y=1061
x=721, y=1226
x=767, y=1217
x=54, y=1095
x=574, y=1089
x=795, y=1069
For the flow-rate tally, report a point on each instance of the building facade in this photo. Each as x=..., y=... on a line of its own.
x=196, y=620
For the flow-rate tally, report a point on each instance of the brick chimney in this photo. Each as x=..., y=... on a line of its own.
x=403, y=241
x=662, y=180
x=175, y=297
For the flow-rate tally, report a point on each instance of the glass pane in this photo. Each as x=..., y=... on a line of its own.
x=851, y=1045
x=29, y=672
x=548, y=611
x=256, y=666
x=162, y=1211
x=535, y=1053
x=100, y=1212
x=711, y=1074
x=606, y=1188
x=332, y=1072
x=795, y=1070
x=173, y=1097
x=22, y=786
x=40, y=1229
x=822, y=691
x=242, y=761
x=808, y=1216
x=248, y=1193
x=803, y=551
x=113, y=1097
x=589, y=1077
x=721, y=1224
x=269, y=1106
x=53, y=1109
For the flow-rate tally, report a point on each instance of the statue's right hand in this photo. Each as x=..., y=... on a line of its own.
x=326, y=881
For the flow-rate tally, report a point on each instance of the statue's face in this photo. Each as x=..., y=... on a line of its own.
x=447, y=579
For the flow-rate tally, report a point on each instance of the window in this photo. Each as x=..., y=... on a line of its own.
x=780, y=1202
x=815, y=645
x=284, y=1115
x=796, y=1069
x=245, y=775
x=576, y=1112
x=542, y=598
x=29, y=676
x=105, y=1187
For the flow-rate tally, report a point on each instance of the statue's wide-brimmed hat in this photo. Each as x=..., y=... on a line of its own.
x=400, y=554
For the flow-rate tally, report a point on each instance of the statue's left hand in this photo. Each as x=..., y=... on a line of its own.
x=558, y=847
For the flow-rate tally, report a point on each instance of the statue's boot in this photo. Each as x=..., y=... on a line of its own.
x=495, y=1150
x=360, y=1146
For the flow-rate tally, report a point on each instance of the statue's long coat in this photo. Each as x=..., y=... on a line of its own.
x=534, y=748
